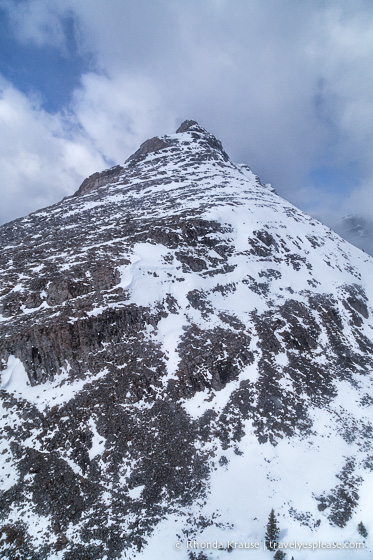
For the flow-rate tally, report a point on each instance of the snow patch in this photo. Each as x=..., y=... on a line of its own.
x=136, y=492
x=98, y=442
x=14, y=380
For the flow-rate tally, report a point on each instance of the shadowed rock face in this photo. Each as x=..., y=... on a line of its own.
x=98, y=180
x=152, y=145
x=186, y=126
x=173, y=317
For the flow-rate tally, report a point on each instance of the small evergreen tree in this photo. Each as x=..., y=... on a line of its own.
x=279, y=555
x=272, y=531
x=362, y=530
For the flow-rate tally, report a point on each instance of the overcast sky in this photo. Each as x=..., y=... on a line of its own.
x=287, y=85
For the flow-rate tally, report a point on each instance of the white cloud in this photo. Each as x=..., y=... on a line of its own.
x=118, y=113
x=360, y=201
x=287, y=87
x=37, y=21
x=42, y=157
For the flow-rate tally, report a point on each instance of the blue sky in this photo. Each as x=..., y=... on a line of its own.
x=287, y=86
x=52, y=73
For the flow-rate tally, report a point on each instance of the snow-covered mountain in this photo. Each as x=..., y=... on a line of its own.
x=183, y=350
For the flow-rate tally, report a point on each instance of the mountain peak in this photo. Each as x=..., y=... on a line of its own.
x=191, y=142
x=188, y=125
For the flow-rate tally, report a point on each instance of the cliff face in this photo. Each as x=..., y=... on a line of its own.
x=181, y=351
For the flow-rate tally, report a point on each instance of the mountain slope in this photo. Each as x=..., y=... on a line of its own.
x=182, y=351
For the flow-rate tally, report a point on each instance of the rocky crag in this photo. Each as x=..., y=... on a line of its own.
x=181, y=351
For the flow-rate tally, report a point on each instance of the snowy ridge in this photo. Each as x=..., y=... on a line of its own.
x=183, y=351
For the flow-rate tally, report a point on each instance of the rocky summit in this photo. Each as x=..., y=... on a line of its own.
x=181, y=352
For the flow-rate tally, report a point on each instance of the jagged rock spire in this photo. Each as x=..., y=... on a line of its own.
x=188, y=125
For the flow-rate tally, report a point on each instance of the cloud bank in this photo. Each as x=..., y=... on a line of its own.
x=286, y=87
